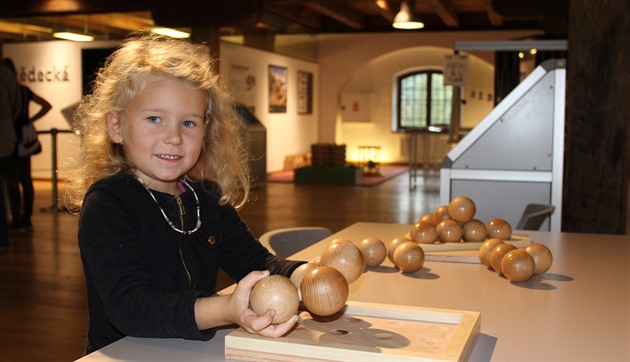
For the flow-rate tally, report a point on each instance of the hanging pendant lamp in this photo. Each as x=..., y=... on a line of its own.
x=407, y=18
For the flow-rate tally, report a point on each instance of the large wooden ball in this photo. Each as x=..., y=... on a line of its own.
x=277, y=293
x=427, y=218
x=462, y=209
x=393, y=244
x=499, y=229
x=441, y=213
x=423, y=233
x=542, y=257
x=517, y=265
x=324, y=291
x=299, y=272
x=474, y=231
x=374, y=251
x=409, y=257
x=486, y=248
x=346, y=257
x=497, y=254
x=449, y=231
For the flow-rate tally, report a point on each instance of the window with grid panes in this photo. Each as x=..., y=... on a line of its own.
x=423, y=100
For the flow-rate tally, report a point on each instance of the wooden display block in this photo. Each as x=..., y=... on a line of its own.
x=366, y=332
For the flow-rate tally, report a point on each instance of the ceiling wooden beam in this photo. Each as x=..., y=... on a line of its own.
x=121, y=21
x=297, y=14
x=63, y=7
x=495, y=18
x=376, y=7
x=214, y=13
x=338, y=11
x=24, y=29
x=446, y=11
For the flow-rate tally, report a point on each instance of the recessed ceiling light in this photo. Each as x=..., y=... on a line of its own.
x=171, y=32
x=72, y=36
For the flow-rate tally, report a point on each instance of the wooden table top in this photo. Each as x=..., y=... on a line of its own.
x=578, y=310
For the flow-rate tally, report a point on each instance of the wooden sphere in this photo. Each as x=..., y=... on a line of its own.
x=299, y=272
x=393, y=244
x=324, y=290
x=474, y=231
x=423, y=233
x=517, y=265
x=426, y=218
x=486, y=248
x=449, y=231
x=374, y=251
x=409, y=257
x=346, y=257
x=499, y=229
x=542, y=257
x=497, y=254
x=462, y=209
x=441, y=213
x=275, y=292
x=336, y=240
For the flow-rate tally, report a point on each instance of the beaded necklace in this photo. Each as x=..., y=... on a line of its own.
x=168, y=221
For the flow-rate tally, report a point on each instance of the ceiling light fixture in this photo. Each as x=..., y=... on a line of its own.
x=171, y=32
x=407, y=18
x=72, y=36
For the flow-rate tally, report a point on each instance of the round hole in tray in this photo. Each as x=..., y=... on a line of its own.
x=383, y=336
x=338, y=331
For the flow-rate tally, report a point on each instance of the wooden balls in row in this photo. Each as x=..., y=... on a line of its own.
x=403, y=252
x=374, y=251
x=450, y=231
x=517, y=265
x=461, y=209
x=346, y=257
x=322, y=289
x=408, y=257
x=406, y=254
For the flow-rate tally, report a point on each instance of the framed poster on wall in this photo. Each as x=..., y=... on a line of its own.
x=277, y=89
x=304, y=92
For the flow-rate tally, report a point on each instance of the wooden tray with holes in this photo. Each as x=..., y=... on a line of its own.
x=366, y=332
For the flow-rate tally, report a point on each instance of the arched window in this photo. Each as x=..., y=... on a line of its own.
x=423, y=100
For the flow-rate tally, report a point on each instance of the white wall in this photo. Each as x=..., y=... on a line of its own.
x=352, y=62
x=287, y=133
x=370, y=60
x=53, y=71
x=377, y=78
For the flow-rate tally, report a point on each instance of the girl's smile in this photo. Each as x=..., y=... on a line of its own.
x=163, y=132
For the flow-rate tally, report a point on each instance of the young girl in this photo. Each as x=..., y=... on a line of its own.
x=163, y=166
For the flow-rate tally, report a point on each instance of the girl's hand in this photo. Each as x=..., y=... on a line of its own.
x=245, y=317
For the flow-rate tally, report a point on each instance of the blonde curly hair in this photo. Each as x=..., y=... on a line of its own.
x=142, y=57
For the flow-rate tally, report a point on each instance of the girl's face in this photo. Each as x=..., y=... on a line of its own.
x=163, y=132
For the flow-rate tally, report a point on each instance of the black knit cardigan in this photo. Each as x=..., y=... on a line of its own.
x=142, y=276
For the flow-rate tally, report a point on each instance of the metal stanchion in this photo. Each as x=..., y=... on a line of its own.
x=54, y=208
x=413, y=161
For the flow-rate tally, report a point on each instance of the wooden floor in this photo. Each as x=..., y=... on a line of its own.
x=43, y=310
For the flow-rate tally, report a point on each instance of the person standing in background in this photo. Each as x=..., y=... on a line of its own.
x=9, y=108
x=20, y=166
